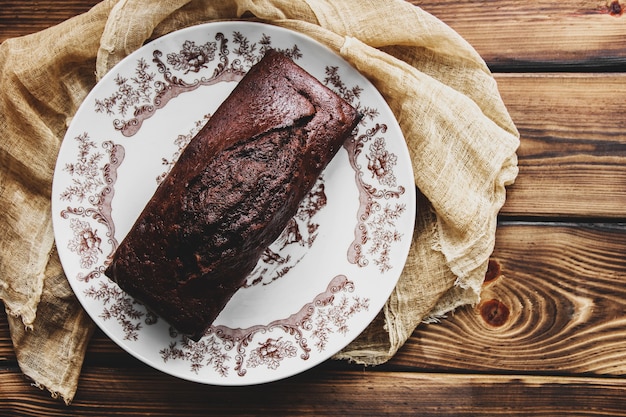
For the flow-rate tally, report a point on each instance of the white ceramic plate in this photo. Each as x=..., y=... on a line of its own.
x=318, y=286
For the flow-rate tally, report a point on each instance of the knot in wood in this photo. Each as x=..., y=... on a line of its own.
x=494, y=312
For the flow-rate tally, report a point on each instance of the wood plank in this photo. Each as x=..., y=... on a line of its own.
x=7, y=355
x=316, y=393
x=556, y=35
x=572, y=155
x=581, y=112
x=563, y=285
x=558, y=306
x=18, y=18
x=512, y=35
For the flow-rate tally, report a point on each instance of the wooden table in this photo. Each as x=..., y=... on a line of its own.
x=549, y=337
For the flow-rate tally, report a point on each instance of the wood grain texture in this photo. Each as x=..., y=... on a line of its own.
x=563, y=284
x=556, y=35
x=328, y=393
x=587, y=180
x=541, y=35
x=564, y=289
x=18, y=18
x=548, y=338
x=572, y=155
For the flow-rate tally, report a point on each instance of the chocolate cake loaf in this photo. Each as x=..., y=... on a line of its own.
x=231, y=193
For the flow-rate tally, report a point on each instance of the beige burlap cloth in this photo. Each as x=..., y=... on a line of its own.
x=460, y=136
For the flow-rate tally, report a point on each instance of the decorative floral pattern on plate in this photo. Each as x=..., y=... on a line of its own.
x=317, y=286
x=326, y=315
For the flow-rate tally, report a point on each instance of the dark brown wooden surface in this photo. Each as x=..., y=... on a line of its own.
x=549, y=337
